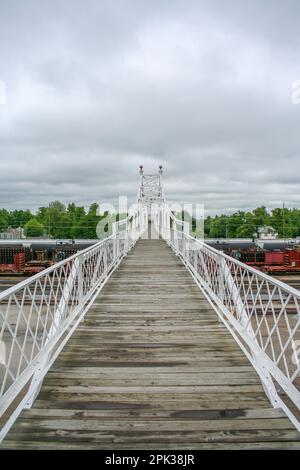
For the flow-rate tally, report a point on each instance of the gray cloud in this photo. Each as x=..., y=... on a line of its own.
x=94, y=89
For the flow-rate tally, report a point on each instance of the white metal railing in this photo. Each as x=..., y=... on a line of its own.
x=262, y=313
x=38, y=315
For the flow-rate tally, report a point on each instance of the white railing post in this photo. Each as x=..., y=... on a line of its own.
x=80, y=277
x=167, y=222
x=105, y=264
x=221, y=281
x=126, y=241
x=115, y=242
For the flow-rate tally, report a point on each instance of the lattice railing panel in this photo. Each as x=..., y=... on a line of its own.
x=264, y=312
x=36, y=314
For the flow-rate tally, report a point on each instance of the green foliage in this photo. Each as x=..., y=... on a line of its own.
x=19, y=218
x=14, y=219
x=4, y=219
x=186, y=217
x=33, y=228
x=243, y=224
x=86, y=226
x=55, y=220
x=59, y=221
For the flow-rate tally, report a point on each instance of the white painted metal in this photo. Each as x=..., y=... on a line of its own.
x=38, y=315
x=262, y=313
x=150, y=188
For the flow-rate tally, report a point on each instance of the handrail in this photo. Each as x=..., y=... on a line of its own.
x=50, y=269
x=262, y=313
x=279, y=283
x=38, y=315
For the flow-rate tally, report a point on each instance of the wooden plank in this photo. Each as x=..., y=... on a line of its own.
x=270, y=413
x=151, y=367
x=156, y=425
x=189, y=446
x=132, y=437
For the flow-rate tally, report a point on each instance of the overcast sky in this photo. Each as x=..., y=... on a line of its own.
x=95, y=88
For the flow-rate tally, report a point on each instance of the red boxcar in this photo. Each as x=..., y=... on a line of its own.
x=274, y=257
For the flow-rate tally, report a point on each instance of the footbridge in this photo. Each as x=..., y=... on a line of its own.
x=150, y=339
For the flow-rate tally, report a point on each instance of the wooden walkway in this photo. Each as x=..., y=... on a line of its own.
x=152, y=368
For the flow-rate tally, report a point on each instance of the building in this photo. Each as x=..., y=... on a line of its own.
x=12, y=234
x=266, y=233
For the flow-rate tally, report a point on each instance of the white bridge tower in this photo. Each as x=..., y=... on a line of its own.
x=151, y=200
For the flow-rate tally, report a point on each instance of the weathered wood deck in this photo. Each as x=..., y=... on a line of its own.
x=152, y=368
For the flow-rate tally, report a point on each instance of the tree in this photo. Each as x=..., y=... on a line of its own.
x=207, y=223
x=74, y=222
x=75, y=213
x=93, y=209
x=234, y=222
x=56, y=219
x=86, y=227
x=19, y=218
x=218, y=227
x=33, y=228
x=4, y=216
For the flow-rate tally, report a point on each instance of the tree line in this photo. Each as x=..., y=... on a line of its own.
x=245, y=224
x=60, y=221
x=55, y=220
